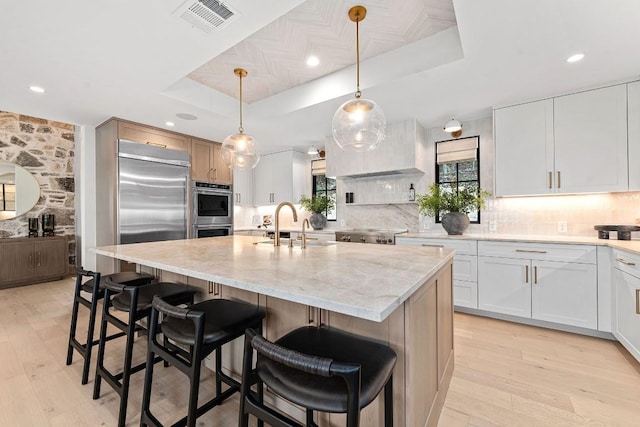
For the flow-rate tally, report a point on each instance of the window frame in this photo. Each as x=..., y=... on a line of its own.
x=314, y=191
x=437, y=177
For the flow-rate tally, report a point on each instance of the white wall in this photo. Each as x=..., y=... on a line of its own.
x=86, y=194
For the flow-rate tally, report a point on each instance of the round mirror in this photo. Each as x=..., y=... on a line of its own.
x=19, y=190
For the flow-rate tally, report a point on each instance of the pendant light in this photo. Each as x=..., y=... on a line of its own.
x=239, y=150
x=359, y=124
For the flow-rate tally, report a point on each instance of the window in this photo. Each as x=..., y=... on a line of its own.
x=324, y=186
x=457, y=166
x=7, y=197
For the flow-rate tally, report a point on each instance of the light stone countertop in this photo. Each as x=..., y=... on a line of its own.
x=628, y=245
x=365, y=281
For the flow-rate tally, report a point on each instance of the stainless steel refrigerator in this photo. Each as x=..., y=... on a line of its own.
x=152, y=193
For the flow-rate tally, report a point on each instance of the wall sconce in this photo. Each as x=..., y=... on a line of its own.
x=454, y=127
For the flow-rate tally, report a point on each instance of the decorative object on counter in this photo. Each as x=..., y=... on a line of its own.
x=48, y=224
x=33, y=227
x=266, y=220
x=359, y=124
x=454, y=127
x=453, y=206
x=238, y=149
x=412, y=193
x=624, y=231
x=318, y=204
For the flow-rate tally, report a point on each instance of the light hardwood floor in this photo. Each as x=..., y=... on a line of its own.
x=506, y=374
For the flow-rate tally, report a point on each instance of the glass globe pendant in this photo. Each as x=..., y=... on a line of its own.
x=359, y=124
x=239, y=150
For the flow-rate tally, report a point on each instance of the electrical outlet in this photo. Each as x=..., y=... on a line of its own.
x=493, y=226
x=343, y=223
x=562, y=226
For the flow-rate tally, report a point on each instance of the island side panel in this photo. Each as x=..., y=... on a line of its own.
x=429, y=349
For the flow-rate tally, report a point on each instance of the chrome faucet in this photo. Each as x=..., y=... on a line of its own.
x=276, y=240
x=304, y=235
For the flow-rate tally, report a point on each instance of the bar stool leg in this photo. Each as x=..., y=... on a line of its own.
x=126, y=371
x=74, y=320
x=101, y=344
x=388, y=403
x=90, y=342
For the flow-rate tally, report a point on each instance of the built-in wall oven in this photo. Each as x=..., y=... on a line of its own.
x=212, y=209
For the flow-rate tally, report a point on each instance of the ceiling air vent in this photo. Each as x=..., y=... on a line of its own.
x=206, y=15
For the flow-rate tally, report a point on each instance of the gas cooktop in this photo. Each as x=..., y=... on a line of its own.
x=381, y=236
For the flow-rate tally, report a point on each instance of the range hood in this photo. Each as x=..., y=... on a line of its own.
x=403, y=151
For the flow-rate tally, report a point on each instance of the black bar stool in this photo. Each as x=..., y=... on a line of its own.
x=136, y=300
x=201, y=329
x=94, y=287
x=319, y=368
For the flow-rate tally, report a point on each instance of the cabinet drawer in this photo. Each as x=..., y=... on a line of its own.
x=462, y=247
x=626, y=261
x=465, y=267
x=465, y=294
x=539, y=251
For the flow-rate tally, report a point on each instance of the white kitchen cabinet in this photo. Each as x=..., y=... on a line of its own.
x=403, y=150
x=465, y=266
x=591, y=141
x=569, y=144
x=633, y=134
x=626, y=280
x=280, y=177
x=243, y=186
x=554, y=283
x=524, y=149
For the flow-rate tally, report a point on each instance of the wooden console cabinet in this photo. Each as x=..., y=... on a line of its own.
x=24, y=261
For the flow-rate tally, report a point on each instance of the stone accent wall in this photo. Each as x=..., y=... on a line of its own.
x=46, y=149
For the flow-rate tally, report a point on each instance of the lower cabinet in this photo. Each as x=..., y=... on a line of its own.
x=24, y=261
x=525, y=283
x=626, y=285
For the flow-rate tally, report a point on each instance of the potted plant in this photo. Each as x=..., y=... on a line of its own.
x=318, y=205
x=454, y=205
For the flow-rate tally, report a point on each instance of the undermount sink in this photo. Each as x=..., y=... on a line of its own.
x=298, y=243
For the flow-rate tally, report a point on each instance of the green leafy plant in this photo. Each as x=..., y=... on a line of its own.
x=317, y=204
x=444, y=198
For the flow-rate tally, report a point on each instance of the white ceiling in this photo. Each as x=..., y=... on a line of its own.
x=131, y=59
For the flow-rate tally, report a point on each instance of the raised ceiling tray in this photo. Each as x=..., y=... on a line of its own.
x=624, y=231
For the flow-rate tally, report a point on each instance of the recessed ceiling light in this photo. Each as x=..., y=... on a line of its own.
x=187, y=116
x=575, y=58
x=36, y=89
x=169, y=124
x=313, y=61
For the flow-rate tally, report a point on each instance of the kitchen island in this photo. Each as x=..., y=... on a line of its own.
x=398, y=295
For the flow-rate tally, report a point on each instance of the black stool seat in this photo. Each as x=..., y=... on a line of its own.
x=202, y=328
x=223, y=318
x=95, y=287
x=320, y=368
x=171, y=292
x=328, y=394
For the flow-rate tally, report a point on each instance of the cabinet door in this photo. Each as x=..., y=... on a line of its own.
x=565, y=293
x=627, y=311
x=243, y=186
x=263, y=181
x=16, y=261
x=285, y=316
x=222, y=173
x=149, y=135
x=465, y=294
x=633, y=120
x=504, y=286
x=51, y=258
x=591, y=141
x=201, y=160
x=524, y=149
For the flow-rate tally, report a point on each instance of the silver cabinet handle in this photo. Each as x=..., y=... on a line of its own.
x=625, y=262
x=215, y=174
x=558, y=179
x=38, y=259
x=433, y=245
x=531, y=251
x=216, y=288
x=239, y=197
x=550, y=179
x=309, y=317
x=637, y=301
x=526, y=274
x=535, y=275
x=31, y=260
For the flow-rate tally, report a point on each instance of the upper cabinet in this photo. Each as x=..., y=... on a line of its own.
x=280, y=177
x=633, y=122
x=403, y=150
x=570, y=144
x=153, y=136
x=243, y=186
x=207, y=163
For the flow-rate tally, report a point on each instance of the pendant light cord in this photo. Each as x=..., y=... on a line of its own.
x=358, y=93
x=240, y=129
